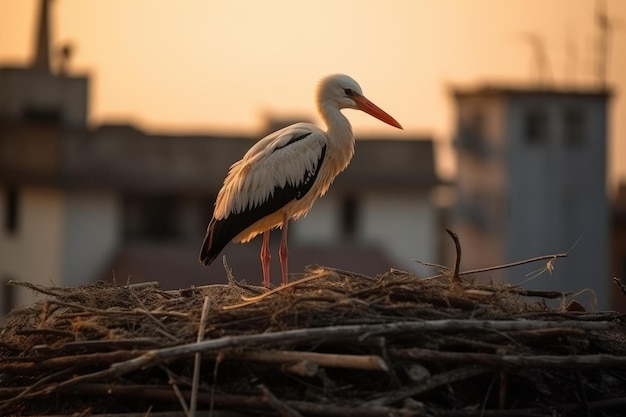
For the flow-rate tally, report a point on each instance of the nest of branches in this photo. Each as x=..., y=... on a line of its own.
x=331, y=343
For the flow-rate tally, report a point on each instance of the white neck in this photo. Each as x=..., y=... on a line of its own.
x=339, y=132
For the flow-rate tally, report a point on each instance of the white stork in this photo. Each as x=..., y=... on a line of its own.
x=283, y=174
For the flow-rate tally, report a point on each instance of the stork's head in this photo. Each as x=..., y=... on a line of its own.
x=342, y=92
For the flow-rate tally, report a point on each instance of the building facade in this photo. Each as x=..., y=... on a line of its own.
x=532, y=181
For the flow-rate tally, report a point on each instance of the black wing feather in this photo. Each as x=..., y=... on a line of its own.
x=220, y=232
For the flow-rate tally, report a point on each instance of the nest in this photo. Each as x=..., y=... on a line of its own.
x=331, y=343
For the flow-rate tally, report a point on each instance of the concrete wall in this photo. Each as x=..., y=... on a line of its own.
x=22, y=90
x=406, y=226
x=92, y=233
x=32, y=253
x=323, y=223
x=63, y=238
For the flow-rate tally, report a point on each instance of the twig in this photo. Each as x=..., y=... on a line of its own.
x=54, y=332
x=435, y=381
x=98, y=345
x=303, y=368
x=503, y=379
x=535, y=412
x=33, y=365
x=232, y=281
x=177, y=391
x=505, y=266
x=619, y=283
x=29, y=391
x=218, y=360
x=142, y=285
x=34, y=287
x=538, y=293
x=330, y=360
x=148, y=411
x=145, y=310
x=457, y=262
x=251, y=300
x=513, y=264
x=345, y=272
x=280, y=407
x=163, y=393
x=123, y=312
x=193, y=402
x=528, y=361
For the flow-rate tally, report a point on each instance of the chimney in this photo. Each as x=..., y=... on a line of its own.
x=41, y=60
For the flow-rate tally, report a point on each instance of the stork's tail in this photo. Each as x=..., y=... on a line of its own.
x=214, y=242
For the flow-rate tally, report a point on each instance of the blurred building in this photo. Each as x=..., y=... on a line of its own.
x=81, y=203
x=532, y=181
x=618, y=246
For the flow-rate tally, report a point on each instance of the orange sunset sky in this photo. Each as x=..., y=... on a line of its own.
x=199, y=65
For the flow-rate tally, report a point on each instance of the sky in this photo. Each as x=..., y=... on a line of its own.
x=209, y=65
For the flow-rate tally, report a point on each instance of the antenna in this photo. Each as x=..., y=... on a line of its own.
x=604, y=36
x=65, y=55
x=543, y=73
x=571, y=58
x=41, y=59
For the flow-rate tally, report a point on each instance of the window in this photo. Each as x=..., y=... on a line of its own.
x=473, y=133
x=42, y=115
x=152, y=218
x=574, y=125
x=11, y=205
x=349, y=219
x=535, y=127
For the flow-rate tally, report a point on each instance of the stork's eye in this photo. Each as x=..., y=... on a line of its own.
x=348, y=92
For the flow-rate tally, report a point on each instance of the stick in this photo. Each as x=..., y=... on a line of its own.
x=177, y=391
x=510, y=265
x=193, y=402
x=619, y=283
x=119, y=312
x=163, y=393
x=232, y=281
x=34, y=287
x=76, y=361
x=457, y=262
x=280, y=407
x=329, y=360
x=435, y=381
x=303, y=368
x=529, y=361
x=251, y=300
x=145, y=310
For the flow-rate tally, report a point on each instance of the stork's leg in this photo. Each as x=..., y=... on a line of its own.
x=266, y=257
x=283, y=252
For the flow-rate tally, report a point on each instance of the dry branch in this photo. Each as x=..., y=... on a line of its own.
x=457, y=262
x=249, y=402
x=331, y=360
x=529, y=361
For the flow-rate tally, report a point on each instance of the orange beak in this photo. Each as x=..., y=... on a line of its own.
x=372, y=109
